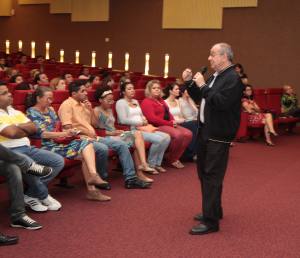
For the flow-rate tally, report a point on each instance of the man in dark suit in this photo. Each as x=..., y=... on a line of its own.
x=219, y=119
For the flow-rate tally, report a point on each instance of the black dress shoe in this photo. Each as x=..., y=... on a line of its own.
x=200, y=217
x=136, y=183
x=104, y=186
x=203, y=229
x=8, y=240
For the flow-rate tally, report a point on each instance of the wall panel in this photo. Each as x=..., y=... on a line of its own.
x=61, y=6
x=5, y=7
x=193, y=14
x=90, y=10
x=239, y=3
x=34, y=1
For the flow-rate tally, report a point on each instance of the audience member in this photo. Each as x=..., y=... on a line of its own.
x=257, y=116
x=95, y=81
x=40, y=79
x=3, y=65
x=157, y=113
x=123, y=80
x=14, y=129
x=289, y=102
x=106, y=121
x=129, y=113
x=46, y=121
x=77, y=112
x=84, y=73
x=171, y=94
x=11, y=166
x=68, y=78
x=58, y=83
x=16, y=79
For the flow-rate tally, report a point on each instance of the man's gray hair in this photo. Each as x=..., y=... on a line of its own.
x=227, y=50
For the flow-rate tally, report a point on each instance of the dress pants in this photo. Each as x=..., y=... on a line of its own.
x=211, y=165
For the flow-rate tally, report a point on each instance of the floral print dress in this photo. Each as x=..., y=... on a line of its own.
x=47, y=122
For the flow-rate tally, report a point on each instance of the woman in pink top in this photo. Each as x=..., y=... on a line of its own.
x=157, y=113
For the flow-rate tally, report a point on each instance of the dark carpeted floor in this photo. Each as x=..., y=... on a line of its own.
x=261, y=210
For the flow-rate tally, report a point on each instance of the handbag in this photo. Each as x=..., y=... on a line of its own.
x=63, y=140
x=149, y=128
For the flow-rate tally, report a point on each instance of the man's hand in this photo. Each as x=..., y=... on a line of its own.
x=187, y=74
x=88, y=105
x=199, y=79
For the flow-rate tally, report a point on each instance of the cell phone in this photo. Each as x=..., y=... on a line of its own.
x=78, y=132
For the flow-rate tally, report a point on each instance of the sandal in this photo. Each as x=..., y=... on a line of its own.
x=160, y=169
x=148, y=169
x=177, y=164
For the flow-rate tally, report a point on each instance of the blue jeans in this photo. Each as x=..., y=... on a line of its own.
x=37, y=187
x=124, y=156
x=13, y=176
x=101, y=153
x=159, y=143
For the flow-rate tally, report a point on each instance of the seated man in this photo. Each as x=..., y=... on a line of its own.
x=14, y=129
x=77, y=112
x=11, y=164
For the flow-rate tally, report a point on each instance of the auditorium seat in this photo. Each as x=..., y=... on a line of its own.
x=141, y=84
x=59, y=96
x=19, y=97
x=11, y=87
x=260, y=98
x=139, y=95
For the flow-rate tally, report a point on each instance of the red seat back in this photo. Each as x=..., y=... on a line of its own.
x=273, y=99
x=260, y=98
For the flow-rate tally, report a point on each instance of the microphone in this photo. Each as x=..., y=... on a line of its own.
x=202, y=70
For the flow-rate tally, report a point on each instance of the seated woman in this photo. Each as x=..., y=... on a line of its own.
x=188, y=107
x=43, y=115
x=289, y=102
x=132, y=138
x=58, y=83
x=130, y=113
x=123, y=79
x=18, y=78
x=84, y=73
x=157, y=113
x=3, y=65
x=171, y=94
x=95, y=81
x=256, y=116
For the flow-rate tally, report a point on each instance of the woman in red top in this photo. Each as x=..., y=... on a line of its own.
x=157, y=113
x=256, y=116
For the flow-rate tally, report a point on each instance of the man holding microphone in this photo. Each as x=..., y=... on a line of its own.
x=218, y=122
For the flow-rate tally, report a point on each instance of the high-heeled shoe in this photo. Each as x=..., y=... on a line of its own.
x=271, y=144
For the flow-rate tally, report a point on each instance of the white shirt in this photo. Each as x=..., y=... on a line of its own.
x=12, y=117
x=202, y=106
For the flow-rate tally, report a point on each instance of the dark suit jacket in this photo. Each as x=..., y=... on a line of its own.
x=222, y=106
